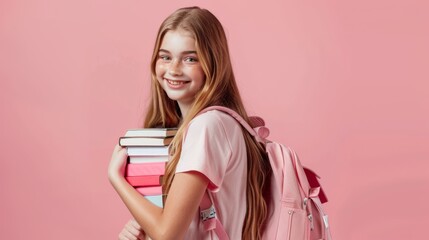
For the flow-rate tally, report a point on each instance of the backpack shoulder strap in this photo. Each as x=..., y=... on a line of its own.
x=209, y=219
x=259, y=131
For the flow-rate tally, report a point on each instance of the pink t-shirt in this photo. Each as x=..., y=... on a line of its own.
x=214, y=146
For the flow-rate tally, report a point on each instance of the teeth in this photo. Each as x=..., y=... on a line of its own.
x=175, y=82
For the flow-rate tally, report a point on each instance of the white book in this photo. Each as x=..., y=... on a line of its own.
x=151, y=132
x=148, y=159
x=148, y=151
x=144, y=141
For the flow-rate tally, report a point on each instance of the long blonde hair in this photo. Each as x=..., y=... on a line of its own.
x=219, y=88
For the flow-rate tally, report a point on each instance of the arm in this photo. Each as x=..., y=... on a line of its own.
x=170, y=222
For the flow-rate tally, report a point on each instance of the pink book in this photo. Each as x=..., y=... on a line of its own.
x=144, y=181
x=150, y=191
x=142, y=169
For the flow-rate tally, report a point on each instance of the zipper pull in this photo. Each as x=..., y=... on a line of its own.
x=310, y=217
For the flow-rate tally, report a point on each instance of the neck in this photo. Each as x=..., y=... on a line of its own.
x=184, y=109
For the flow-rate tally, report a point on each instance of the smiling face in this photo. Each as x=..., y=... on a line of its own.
x=178, y=69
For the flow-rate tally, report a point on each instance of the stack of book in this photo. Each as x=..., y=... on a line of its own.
x=147, y=149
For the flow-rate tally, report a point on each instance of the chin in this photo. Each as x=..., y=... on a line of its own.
x=173, y=97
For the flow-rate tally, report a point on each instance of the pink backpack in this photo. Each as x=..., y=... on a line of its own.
x=295, y=207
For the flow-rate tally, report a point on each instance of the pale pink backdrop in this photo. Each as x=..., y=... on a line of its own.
x=345, y=83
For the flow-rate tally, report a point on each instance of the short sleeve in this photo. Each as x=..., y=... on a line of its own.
x=206, y=149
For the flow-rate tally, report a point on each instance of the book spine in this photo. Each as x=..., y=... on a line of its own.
x=144, y=181
x=142, y=141
x=141, y=169
x=150, y=191
x=148, y=159
x=147, y=151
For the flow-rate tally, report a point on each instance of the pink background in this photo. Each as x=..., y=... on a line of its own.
x=345, y=83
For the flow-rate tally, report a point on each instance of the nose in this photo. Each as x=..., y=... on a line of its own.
x=175, y=68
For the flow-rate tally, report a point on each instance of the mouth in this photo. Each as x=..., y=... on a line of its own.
x=176, y=82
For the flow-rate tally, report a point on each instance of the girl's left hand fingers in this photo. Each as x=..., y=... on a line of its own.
x=117, y=148
x=118, y=161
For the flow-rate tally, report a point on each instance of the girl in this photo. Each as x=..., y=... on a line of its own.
x=191, y=70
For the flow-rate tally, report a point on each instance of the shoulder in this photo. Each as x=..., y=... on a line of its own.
x=214, y=119
x=214, y=125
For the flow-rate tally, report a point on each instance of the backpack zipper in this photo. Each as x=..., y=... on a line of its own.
x=291, y=212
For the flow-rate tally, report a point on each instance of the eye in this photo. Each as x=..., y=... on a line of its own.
x=164, y=57
x=191, y=59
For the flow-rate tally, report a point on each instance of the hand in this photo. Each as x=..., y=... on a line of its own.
x=131, y=231
x=118, y=162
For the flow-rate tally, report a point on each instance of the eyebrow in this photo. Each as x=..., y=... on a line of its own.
x=184, y=52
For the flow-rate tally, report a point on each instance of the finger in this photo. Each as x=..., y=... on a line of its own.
x=122, y=152
x=119, y=152
x=141, y=236
x=118, y=148
x=131, y=229
x=127, y=235
x=135, y=224
x=122, y=236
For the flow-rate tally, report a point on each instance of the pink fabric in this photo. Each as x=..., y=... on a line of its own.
x=214, y=146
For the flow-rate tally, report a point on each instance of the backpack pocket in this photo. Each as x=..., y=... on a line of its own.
x=294, y=223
